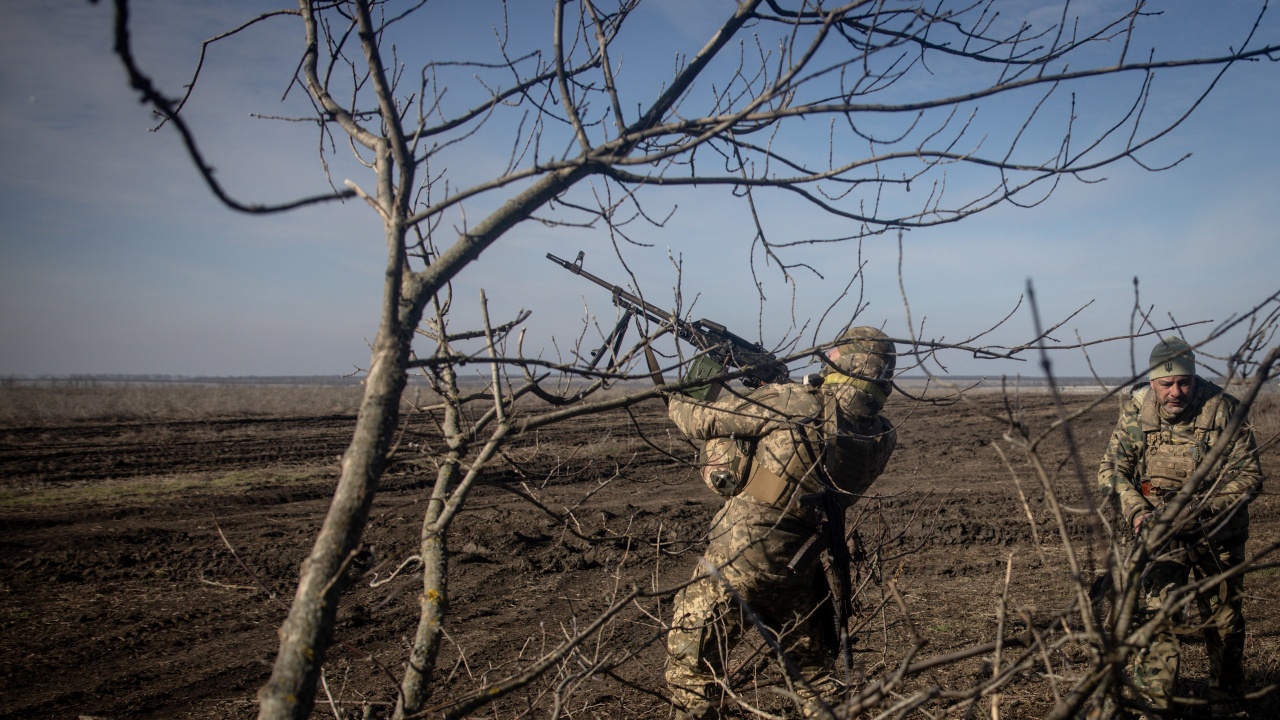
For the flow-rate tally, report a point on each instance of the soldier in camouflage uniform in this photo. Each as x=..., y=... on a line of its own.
x=788, y=449
x=1166, y=428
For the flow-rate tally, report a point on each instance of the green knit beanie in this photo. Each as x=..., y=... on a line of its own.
x=1171, y=356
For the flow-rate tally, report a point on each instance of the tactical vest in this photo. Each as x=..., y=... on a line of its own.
x=828, y=453
x=1169, y=460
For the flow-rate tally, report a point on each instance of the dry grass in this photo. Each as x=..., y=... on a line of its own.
x=58, y=403
x=55, y=404
x=50, y=405
x=1265, y=416
x=144, y=490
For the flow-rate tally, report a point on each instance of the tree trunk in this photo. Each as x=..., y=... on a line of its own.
x=308, y=630
x=415, y=688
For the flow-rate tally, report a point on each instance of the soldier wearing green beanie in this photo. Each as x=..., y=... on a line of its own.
x=1167, y=428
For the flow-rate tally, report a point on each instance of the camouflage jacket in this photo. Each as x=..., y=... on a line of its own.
x=785, y=427
x=1229, y=486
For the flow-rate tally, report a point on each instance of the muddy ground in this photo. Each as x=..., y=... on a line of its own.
x=145, y=566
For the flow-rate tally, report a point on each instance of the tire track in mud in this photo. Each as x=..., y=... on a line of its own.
x=946, y=487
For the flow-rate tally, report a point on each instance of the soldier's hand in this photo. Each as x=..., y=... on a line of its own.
x=1138, y=520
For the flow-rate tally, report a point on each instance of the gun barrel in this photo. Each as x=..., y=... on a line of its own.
x=571, y=267
x=705, y=334
x=576, y=269
x=654, y=312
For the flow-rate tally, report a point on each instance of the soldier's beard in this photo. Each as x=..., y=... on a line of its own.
x=1170, y=411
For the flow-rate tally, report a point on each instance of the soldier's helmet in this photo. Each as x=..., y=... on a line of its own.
x=865, y=353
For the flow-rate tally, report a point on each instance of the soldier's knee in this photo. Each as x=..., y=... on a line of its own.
x=685, y=646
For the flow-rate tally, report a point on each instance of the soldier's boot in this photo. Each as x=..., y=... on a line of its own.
x=811, y=709
x=820, y=696
x=699, y=712
x=693, y=704
x=1109, y=709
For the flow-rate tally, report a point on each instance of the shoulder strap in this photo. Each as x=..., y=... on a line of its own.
x=1207, y=418
x=830, y=435
x=1148, y=412
x=776, y=490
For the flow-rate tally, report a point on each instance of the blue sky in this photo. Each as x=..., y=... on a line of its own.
x=116, y=259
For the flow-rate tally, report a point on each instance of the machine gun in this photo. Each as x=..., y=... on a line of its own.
x=712, y=338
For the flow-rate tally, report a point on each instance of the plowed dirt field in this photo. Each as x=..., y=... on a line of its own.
x=145, y=566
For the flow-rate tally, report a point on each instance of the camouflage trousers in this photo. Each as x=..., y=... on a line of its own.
x=1220, y=607
x=748, y=548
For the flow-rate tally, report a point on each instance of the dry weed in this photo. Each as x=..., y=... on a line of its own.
x=51, y=405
